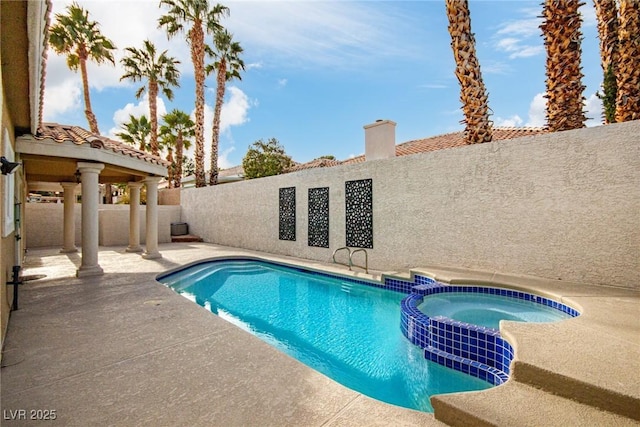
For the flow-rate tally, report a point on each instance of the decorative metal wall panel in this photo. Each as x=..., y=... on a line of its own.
x=288, y=213
x=319, y=217
x=358, y=197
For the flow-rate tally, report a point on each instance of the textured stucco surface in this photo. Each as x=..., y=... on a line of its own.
x=44, y=224
x=562, y=206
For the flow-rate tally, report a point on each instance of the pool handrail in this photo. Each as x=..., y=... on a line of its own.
x=351, y=264
x=341, y=263
x=366, y=259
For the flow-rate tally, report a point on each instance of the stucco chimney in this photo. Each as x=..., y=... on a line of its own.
x=380, y=140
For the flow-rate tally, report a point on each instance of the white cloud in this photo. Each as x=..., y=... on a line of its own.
x=517, y=49
x=252, y=65
x=61, y=98
x=508, y=44
x=528, y=26
x=310, y=33
x=588, y=15
x=512, y=121
x=495, y=67
x=121, y=116
x=235, y=109
x=434, y=86
x=593, y=110
x=527, y=51
x=235, y=112
x=223, y=161
x=520, y=38
x=282, y=82
x=537, y=111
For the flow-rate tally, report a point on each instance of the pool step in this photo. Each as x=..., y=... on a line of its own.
x=517, y=404
x=186, y=238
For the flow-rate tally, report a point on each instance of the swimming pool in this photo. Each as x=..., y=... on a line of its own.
x=344, y=328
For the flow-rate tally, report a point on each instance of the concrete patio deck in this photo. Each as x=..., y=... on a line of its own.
x=121, y=349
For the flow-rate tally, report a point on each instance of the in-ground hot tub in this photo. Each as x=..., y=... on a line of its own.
x=489, y=309
x=457, y=325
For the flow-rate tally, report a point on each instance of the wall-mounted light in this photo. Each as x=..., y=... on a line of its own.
x=78, y=177
x=7, y=166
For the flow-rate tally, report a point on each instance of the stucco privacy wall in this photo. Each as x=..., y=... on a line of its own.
x=44, y=224
x=563, y=205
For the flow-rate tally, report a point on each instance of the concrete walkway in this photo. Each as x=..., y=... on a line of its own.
x=122, y=349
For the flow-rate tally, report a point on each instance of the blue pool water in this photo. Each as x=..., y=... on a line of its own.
x=347, y=331
x=488, y=310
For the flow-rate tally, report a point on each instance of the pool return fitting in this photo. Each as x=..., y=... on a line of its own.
x=351, y=264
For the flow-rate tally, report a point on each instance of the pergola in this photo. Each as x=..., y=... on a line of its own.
x=72, y=156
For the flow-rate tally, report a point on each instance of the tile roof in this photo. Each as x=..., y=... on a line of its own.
x=450, y=140
x=315, y=163
x=77, y=135
x=233, y=171
x=45, y=57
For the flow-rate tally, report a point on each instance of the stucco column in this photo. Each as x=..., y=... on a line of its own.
x=69, y=244
x=134, y=217
x=151, y=240
x=90, y=199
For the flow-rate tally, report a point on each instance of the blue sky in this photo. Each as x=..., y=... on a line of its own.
x=318, y=71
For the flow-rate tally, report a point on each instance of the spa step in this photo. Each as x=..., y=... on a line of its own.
x=186, y=238
x=516, y=404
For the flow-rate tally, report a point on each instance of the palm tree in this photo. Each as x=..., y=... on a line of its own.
x=473, y=94
x=628, y=67
x=160, y=73
x=194, y=17
x=177, y=131
x=562, y=37
x=607, y=17
x=136, y=131
x=227, y=66
x=80, y=39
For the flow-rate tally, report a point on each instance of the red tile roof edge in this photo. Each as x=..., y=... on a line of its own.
x=77, y=135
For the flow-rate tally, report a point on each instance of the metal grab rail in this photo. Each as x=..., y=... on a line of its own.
x=351, y=264
x=341, y=263
x=366, y=260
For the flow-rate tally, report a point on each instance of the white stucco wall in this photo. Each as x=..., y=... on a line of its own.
x=563, y=205
x=44, y=224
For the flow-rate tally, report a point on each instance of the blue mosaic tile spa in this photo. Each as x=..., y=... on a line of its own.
x=479, y=351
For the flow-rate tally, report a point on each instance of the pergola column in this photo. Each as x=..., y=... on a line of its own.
x=151, y=240
x=134, y=217
x=69, y=217
x=90, y=199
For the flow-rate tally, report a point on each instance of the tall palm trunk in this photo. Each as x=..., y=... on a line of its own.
x=88, y=112
x=562, y=36
x=171, y=170
x=607, y=17
x=473, y=93
x=177, y=177
x=628, y=67
x=153, y=112
x=221, y=86
x=197, y=57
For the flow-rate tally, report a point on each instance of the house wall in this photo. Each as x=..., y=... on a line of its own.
x=10, y=248
x=562, y=205
x=169, y=196
x=44, y=224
